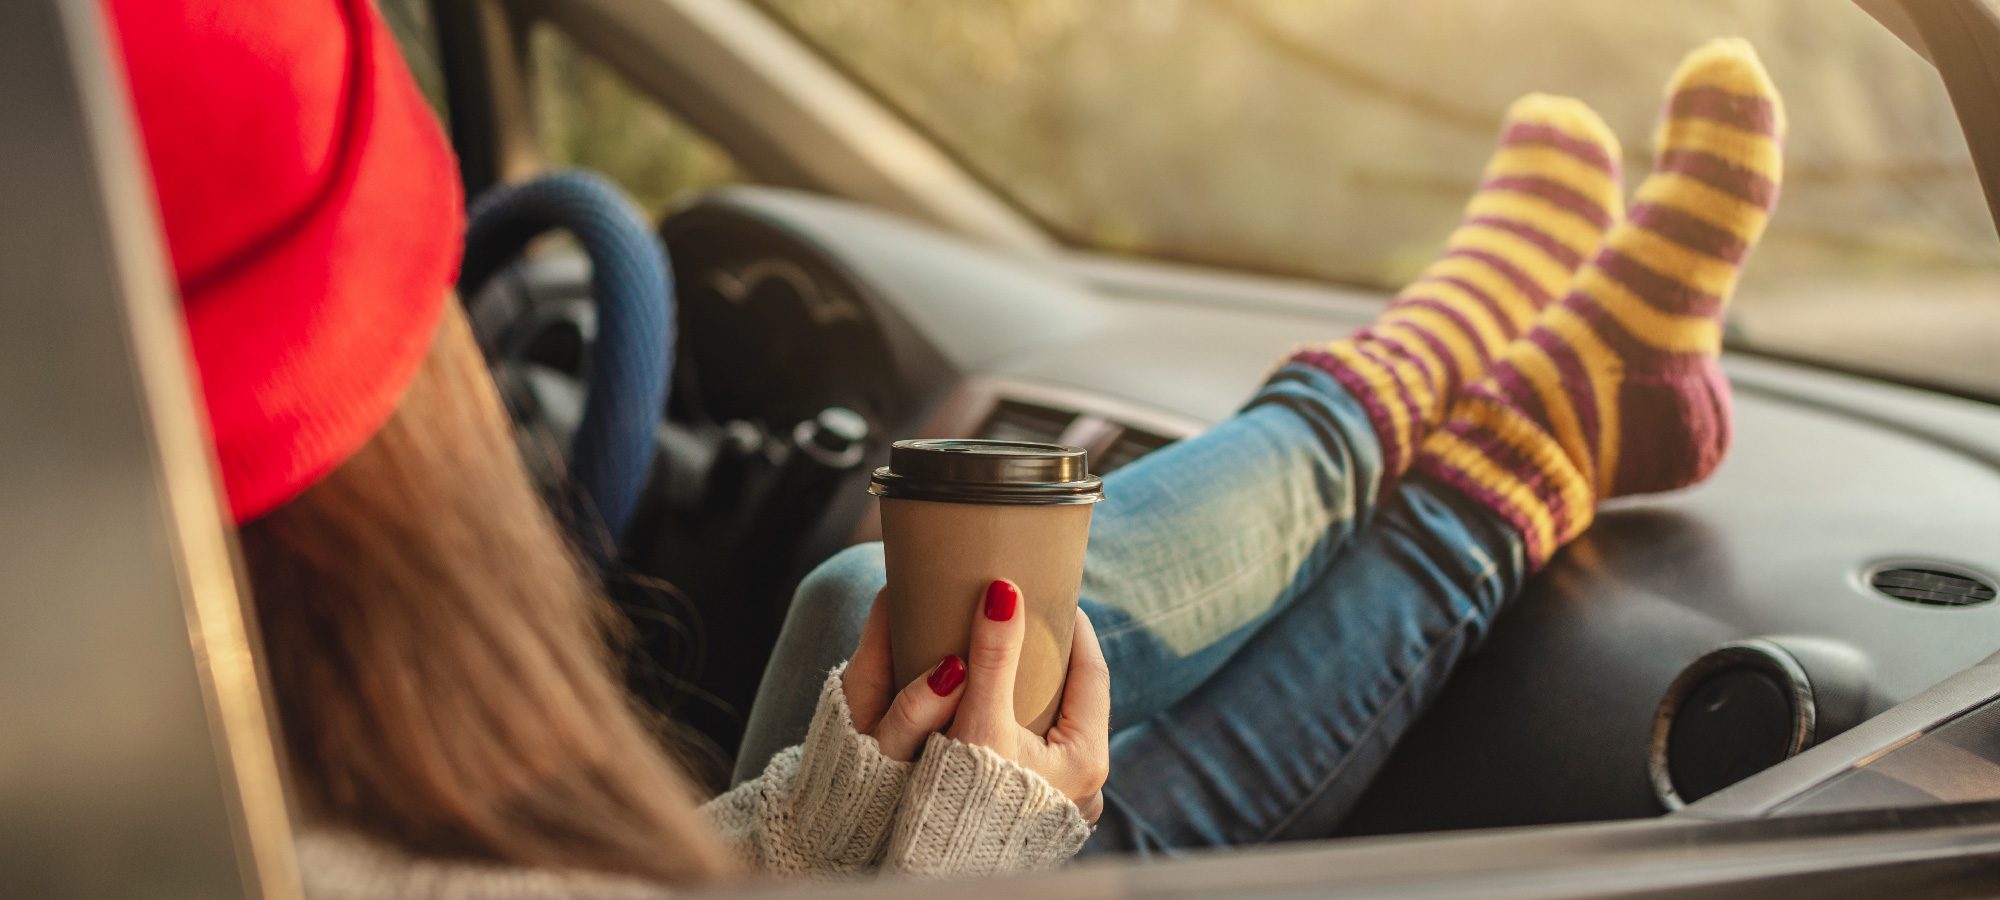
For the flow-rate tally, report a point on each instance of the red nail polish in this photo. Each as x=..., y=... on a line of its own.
x=946, y=676
x=1001, y=600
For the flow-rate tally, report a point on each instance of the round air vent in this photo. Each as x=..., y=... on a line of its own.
x=1738, y=710
x=1932, y=584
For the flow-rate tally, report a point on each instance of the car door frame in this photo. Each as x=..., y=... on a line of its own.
x=138, y=755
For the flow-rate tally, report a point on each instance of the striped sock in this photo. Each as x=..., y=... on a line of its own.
x=1617, y=389
x=1548, y=195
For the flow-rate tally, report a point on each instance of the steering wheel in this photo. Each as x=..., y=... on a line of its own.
x=628, y=359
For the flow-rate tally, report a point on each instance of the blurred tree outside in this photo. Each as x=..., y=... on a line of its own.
x=589, y=117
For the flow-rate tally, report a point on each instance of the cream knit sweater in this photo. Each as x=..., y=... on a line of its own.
x=831, y=806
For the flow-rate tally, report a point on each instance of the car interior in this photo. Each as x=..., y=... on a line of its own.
x=1837, y=567
x=1813, y=631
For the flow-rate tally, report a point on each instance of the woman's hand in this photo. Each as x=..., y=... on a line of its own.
x=900, y=721
x=1075, y=756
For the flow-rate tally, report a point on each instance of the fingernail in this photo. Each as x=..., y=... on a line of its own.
x=1001, y=598
x=946, y=676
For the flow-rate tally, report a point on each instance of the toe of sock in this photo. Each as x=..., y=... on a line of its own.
x=1730, y=63
x=1568, y=115
x=1724, y=81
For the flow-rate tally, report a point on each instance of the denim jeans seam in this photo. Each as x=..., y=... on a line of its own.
x=1374, y=725
x=1207, y=593
x=1488, y=566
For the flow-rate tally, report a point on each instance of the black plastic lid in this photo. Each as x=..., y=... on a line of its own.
x=979, y=471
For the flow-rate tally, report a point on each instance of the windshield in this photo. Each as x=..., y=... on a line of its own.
x=1337, y=139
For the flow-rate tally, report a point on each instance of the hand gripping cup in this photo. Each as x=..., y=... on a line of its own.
x=958, y=514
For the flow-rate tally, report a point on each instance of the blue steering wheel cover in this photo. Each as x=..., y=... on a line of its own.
x=631, y=358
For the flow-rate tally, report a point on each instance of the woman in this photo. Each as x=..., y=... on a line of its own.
x=439, y=657
x=1281, y=596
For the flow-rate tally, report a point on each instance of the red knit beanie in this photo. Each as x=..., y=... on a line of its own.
x=312, y=211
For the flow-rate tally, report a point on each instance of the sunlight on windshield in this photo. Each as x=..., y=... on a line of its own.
x=1337, y=139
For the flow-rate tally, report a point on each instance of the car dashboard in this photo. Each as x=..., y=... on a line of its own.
x=1836, y=488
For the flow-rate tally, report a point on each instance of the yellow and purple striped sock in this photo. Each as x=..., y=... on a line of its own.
x=1547, y=197
x=1617, y=388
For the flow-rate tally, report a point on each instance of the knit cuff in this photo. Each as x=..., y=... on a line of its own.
x=968, y=811
x=844, y=796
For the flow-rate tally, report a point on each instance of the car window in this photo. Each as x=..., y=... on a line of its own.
x=587, y=116
x=1337, y=139
x=416, y=34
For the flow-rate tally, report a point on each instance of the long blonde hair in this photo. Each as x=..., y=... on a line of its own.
x=441, y=659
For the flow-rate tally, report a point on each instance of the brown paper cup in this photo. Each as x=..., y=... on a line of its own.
x=941, y=557
x=958, y=515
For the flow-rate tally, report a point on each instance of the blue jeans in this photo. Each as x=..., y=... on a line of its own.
x=1274, y=621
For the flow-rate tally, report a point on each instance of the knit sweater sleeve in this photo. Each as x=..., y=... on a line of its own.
x=968, y=811
x=823, y=807
x=835, y=805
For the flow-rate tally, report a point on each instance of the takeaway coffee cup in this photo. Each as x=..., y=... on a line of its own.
x=957, y=514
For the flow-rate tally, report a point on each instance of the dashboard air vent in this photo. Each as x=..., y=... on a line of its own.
x=1933, y=585
x=1128, y=446
x=1012, y=420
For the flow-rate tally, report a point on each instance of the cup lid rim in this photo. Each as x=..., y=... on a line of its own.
x=974, y=470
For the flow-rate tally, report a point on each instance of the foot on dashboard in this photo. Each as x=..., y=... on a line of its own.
x=1616, y=390
x=1547, y=197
